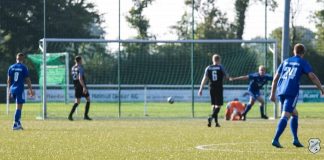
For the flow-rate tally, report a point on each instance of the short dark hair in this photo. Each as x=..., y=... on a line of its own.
x=78, y=58
x=299, y=48
x=20, y=54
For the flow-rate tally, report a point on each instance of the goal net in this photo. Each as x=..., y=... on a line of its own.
x=134, y=78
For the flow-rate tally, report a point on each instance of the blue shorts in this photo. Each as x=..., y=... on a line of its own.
x=20, y=97
x=288, y=103
x=255, y=95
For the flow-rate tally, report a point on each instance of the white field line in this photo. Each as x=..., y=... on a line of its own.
x=219, y=147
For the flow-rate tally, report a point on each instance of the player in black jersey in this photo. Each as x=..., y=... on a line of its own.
x=80, y=88
x=215, y=74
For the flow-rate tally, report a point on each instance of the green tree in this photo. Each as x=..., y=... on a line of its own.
x=241, y=7
x=21, y=25
x=307, y=37
x=183, y=28
x=215, y=24
x=319, y=20
x=137, y=20
x=319, y=37
x=22, y=22
x=301, y=35
x=211, y=24
x=134, y=55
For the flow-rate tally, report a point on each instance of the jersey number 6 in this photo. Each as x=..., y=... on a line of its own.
x=214, y=75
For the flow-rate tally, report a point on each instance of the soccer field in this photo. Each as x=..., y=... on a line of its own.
x=157, y=138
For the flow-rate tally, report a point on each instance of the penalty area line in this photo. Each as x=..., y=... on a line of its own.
x=218, y=147
x=208, y=146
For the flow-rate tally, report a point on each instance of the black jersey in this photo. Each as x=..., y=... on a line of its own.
x=216, y=74
x=77, y=71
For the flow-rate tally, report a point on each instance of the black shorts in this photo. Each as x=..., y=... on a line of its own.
x=216, y=96
x=78, y=91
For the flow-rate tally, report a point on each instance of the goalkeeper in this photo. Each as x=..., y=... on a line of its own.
x=257, y=80
x=234, y=110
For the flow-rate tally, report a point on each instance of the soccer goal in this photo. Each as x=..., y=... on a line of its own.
x=134, y=78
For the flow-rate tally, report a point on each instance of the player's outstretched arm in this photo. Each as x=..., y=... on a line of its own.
x=312, y=76
x=272, y=96
x=227, y=77
x=203, y=82
x=239, y=78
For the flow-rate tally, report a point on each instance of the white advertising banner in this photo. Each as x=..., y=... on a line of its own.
x=137, y=95
x=161, y=94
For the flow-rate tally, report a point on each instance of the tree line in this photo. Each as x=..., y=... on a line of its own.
x=21, y=27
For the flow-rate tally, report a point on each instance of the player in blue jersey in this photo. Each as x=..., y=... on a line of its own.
x=257, y=80
x=80, y=88
x=286, y=82
x=215, y=74
x=17, y=76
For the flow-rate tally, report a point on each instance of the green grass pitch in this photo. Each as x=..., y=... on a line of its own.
x=158, y=136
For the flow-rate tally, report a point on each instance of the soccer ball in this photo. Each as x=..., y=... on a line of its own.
x=170, y=100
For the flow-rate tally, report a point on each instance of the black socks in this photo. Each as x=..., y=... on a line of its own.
x=87, y=107
x=73, y=109
x=215, y=114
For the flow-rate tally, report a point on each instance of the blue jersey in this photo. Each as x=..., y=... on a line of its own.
x=257, y=81
x=290, y=72
x=17, y=73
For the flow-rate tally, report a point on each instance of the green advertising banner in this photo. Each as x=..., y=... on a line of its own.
x=312, y=95
x=55, y=68
x=56, y=75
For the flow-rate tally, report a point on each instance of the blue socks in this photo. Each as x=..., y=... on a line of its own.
x=294, y=127
x=280, y=128
x=17, y=115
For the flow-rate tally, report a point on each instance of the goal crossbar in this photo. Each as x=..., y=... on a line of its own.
x=155, y=41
